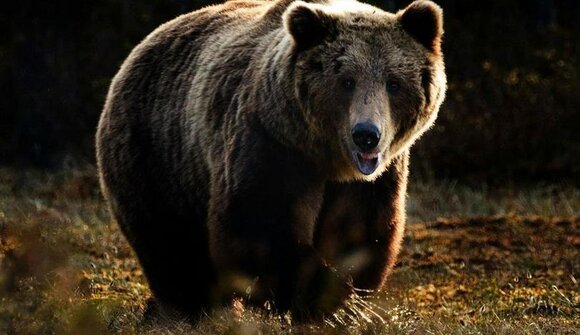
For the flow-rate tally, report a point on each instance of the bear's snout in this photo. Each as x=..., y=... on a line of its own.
x=366, y=136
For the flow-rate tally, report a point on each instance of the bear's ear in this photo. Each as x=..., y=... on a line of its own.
x=308, y=25
x=423, y=20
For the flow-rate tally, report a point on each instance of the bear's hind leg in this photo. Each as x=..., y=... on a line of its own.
x=173, y=253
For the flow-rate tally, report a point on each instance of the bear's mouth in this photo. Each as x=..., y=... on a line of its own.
x=366, y=163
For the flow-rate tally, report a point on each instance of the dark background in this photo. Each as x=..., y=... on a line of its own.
x=511, y=111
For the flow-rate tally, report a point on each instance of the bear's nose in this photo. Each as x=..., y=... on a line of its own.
x=366, y=136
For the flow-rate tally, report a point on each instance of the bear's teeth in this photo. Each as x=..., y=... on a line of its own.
x=368, y=156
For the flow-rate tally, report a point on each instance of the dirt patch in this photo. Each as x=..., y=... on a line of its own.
x=503, y=265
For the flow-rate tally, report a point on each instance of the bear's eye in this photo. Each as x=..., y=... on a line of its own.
x=349, y=83
x=393, y=86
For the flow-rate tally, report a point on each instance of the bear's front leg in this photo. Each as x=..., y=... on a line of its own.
x=361, y=225
x=262, y=210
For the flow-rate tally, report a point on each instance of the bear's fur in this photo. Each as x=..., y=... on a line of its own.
x=225, y=149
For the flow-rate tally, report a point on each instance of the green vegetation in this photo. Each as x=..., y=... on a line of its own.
x=474, y=261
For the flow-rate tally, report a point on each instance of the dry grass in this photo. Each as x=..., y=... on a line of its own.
x=474, y=261
x=429, y=200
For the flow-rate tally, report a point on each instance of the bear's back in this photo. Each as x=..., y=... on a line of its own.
x=194, y=59
x=168, y=90
x=177, y=44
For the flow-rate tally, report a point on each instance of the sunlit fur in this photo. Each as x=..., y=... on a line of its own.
x=224, y=149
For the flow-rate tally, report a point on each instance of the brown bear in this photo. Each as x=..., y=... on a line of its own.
x=260, y=148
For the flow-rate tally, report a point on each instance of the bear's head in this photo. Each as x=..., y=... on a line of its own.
x=371, y=79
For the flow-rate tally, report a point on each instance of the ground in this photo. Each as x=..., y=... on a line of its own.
x=475, y=260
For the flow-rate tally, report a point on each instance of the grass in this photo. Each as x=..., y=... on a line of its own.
x=474, y=261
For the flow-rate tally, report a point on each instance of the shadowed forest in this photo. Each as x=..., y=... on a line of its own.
x=493, y=235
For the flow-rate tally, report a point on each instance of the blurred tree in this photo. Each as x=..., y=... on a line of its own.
x=545, y=14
